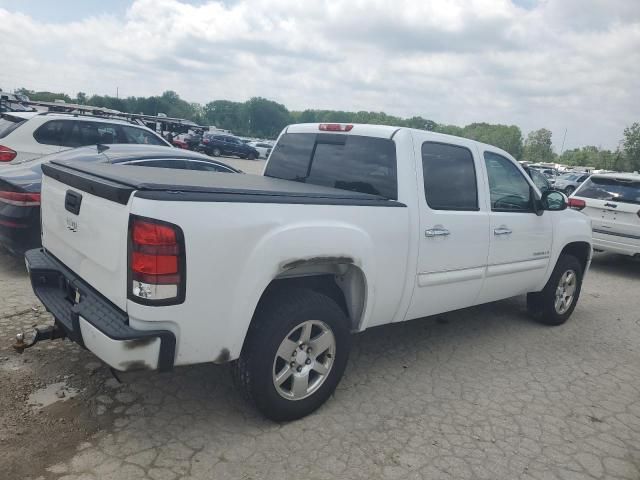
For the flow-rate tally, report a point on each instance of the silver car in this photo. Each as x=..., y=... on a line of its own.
x=570, y=181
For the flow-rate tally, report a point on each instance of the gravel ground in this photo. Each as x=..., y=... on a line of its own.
x=482, y=393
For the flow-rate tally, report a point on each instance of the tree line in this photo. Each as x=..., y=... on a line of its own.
x=263, y=118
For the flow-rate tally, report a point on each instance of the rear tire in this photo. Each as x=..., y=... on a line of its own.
x=288, y=389
x=557, y=300
x=569, y=190
x=216, y=152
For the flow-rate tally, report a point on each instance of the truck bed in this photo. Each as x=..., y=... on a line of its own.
x=119, y=182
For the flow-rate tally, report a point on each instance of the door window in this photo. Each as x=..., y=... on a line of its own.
x=539, y=180
x=449, y=177
x=509, y=190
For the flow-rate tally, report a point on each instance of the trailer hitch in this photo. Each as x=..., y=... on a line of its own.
x=29, y=339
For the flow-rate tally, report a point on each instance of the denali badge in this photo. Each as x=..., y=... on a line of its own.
x=72, y=225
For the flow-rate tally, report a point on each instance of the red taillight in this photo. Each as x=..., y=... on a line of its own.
x=6, y=154
x=576, y=203
x=335, y=127
x=156, y=261
x=150, y=233
x=20, y=199
x=205, y=140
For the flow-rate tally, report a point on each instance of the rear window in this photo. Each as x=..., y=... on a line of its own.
x=613, y=189
x=8, y=124
x=348, y=162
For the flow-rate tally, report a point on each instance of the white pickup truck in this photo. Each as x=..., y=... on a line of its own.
x=351, y=226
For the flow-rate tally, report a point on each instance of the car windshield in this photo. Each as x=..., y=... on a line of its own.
x=613, y=189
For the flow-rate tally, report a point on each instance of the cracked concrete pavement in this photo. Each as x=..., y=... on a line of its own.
x=482, y=393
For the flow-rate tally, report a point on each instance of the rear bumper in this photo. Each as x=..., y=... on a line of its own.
x=95, y=323
x=615, y=243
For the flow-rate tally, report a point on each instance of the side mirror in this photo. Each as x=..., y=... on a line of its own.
x=554, y=201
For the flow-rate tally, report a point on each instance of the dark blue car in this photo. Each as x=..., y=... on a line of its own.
x=221, y=144
x=20, y=184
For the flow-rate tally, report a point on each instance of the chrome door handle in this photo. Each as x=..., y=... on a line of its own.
x=437, y=231
x=502, y=230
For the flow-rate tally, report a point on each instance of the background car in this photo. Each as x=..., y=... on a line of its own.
x=25, y=136
x=218, y=144
x=20, y=184
x=263, y=148
x=613, y=203
x=570, y=181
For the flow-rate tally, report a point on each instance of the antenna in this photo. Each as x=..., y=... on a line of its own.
x=563, y=139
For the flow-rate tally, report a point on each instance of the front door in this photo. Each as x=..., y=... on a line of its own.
x=520, y=240
x=454, y=228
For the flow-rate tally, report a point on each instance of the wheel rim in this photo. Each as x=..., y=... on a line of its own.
x=304, y=360
x=565, y=292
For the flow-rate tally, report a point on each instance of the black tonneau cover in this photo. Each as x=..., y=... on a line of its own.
x=118, y=182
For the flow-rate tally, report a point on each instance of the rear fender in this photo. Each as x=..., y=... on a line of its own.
x=289, y=248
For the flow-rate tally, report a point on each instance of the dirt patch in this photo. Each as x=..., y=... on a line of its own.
x=48, y=403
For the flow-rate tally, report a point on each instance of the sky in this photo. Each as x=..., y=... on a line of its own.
x=557, y=64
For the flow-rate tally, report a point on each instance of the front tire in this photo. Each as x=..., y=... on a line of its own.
x=251, y=156
x=294, y=355
x=557, y=300
x=569, y=190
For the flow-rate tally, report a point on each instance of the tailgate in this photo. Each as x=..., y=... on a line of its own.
x=88, y=233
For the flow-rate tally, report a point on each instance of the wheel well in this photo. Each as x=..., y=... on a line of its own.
x=344, y=283
x=580, y=250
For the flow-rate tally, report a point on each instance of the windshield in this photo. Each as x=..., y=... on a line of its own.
x=614, y=189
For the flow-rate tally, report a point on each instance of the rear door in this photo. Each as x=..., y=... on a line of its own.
x=453, y=228
x=520, y=240
x=88, y=233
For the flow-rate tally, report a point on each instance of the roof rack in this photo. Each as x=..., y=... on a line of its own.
x=101, y=112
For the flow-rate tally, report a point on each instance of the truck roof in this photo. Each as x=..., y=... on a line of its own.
x=383, y=131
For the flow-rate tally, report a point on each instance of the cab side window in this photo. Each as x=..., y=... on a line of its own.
x=509, y=190
x=449, y=177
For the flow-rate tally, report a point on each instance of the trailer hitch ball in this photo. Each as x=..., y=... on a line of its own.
x=20, y=345
x=50, y=332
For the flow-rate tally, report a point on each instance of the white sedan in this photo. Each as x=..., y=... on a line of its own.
x=263, y=148
x=613, y=202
